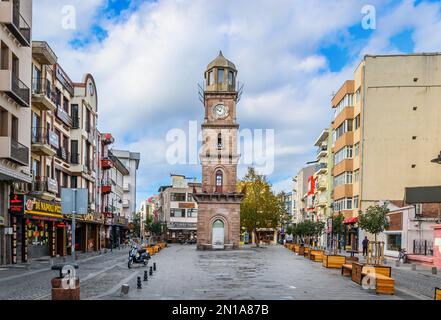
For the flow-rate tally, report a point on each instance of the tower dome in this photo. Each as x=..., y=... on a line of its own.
x=220, y=75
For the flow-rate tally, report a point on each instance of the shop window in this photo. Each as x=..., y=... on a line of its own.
x=393, y=242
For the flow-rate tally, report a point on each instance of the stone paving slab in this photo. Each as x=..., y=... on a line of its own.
x=273, y=273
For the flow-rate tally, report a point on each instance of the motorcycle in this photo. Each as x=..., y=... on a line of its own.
x=138, y=256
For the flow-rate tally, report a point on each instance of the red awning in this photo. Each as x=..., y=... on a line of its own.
x=350, y=220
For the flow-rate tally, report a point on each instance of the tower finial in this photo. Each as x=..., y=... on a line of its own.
x=220, y=53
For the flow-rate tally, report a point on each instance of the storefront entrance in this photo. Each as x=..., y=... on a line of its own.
x=37, y=238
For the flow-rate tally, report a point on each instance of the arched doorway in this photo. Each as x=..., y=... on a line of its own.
x=218, y=234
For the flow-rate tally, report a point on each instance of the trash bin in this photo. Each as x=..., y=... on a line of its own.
x=62, y=286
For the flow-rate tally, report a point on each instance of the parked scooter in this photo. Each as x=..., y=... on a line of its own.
x=138, y=256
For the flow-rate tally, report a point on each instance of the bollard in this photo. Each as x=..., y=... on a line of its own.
x=397, y=263
x=151, y=271
x=67, y=285
x=154, y=266
x=413, y=267
x=434, y=270
x=138, y=283
x=146, y=277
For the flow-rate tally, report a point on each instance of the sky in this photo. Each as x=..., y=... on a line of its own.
x=147, y=58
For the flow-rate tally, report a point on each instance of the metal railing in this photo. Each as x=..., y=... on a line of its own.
x=75, y=158
x=20, y=89
x=423, y=247
x=40, y=135
x=42, y=86
x=19, y=22
x=43, y=184
x=19, y=152
x=63, y=154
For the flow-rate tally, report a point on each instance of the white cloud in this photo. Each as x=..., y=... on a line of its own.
x=148, y=68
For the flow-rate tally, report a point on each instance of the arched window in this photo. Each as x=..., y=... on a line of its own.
x=219, y=141
x=219, y=181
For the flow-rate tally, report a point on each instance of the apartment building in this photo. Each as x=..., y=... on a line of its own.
x=111, y=183
x=320, y=202
x=131, y=162
x=385, y=132
x=15, y=114
x=302, y=192
x=179, y=209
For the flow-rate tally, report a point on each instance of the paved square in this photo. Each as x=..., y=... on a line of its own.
x=249, y=273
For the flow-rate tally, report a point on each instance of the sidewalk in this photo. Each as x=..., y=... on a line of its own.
x=8, y=272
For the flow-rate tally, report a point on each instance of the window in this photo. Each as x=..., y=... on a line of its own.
x=66, y=105
x=36, y=168
x=219, y=141
x=357, y=122
x=177, y=197
x=357, y=149
x=342, y=154
x=74, y=182
x=347, y=101
x=210, y=78
x=14, y=128
x=343, y=204
x=344, y=178
x=219, y=181
x=220, y=75
x=4, y=57
x=346, y=126
x=393, y=242
x=357, y=95
x=357, y=175
x=192, y=213
x=75, y=116
x=177, y=213
x=356, y=202
x=230, y=78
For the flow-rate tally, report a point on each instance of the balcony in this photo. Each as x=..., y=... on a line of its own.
x=42, y=95
x=43, y=53
x=106, y=164
x=75, y=123
x=75, y=158
x=41, y=142
x=321, y=168
x=14, y=151
x=14, y=21
x=126, y=203
x=14, y=88
x=126, y=187
x=106, y=186
x=322, y=184
x=63, y=154
x=45, y=188
x=322, y=151
x=64, y=116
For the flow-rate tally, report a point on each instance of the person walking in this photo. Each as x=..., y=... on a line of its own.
x=365, y=243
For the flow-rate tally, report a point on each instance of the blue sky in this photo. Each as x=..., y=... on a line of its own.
x=148, y=56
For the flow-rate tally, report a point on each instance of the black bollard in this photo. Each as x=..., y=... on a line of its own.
x=151, y=271
x=146, y=277
x=139, y=284
x=154, y=266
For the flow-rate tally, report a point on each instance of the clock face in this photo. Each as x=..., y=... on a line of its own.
x=220, y=111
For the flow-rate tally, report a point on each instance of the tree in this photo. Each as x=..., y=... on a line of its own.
x=338, y=227
x=137, y=224
x=153, y=226
x=260, y=208
x=374, y=220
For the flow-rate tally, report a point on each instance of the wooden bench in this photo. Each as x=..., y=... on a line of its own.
x=346, y=269
x=296, y=248
x=316, y=255
x=438, y=294
x=333, y=261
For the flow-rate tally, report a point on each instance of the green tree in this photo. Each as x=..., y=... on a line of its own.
x=137, y=225
x=260, y=208
x=153, y=226
x=374, y=220
x=338, y=228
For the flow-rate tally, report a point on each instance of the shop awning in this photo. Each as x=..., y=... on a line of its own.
x=350, y=220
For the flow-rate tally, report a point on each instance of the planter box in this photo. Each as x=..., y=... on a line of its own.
x=333, y=261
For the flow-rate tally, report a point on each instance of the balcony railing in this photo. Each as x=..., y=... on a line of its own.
x=43, y=184
x=75, y=123
x=18, y=152
x=75, y=158
x=322, y=149
x=19, y=27
x=63, y=154
x=15, y=88
x=40, y=135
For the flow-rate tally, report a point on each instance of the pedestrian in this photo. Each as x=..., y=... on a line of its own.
x=365, y=243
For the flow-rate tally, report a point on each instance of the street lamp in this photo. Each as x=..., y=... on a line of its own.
x=437, y=160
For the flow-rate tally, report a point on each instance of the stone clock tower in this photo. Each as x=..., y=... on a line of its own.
x=219, y=201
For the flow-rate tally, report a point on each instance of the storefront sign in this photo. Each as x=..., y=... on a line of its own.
x=89, y=217
x=52, y=185
x=37, y=208
x=187, y=205
x=182, y=225
x=54, y=139
x=16, y=203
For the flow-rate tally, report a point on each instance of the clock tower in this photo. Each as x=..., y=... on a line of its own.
x=219, y=202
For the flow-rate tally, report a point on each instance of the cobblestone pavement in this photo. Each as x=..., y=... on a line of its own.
x=250, y=273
